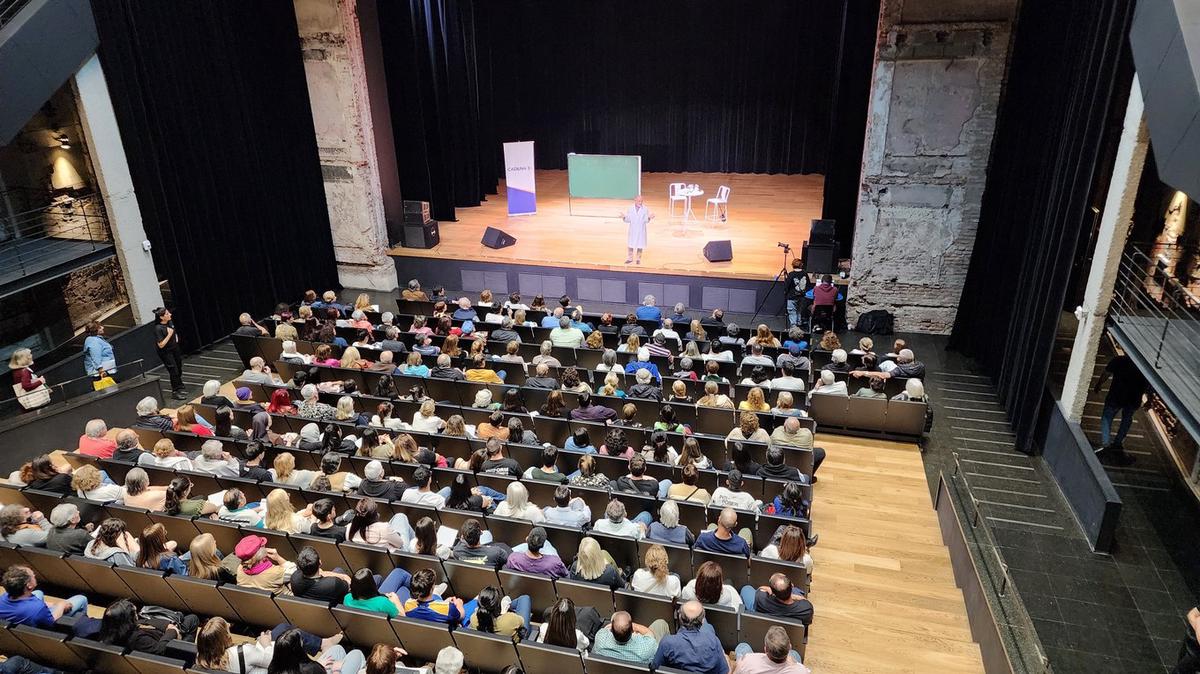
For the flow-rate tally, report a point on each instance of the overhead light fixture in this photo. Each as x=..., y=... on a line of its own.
x=63, y=141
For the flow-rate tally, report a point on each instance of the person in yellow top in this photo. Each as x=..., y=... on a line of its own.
x=479, y=371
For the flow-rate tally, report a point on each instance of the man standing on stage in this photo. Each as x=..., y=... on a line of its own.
x=638, y=216
x=168, y=350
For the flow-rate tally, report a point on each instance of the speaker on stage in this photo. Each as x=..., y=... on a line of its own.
x=422, y=235
x=416, y=212
x=497, y=238
x=718, y=251
x=820, y=258
x=823, y=231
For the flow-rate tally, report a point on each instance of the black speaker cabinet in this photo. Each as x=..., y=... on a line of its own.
x=820, y=258
x=498, y=238
x=823, y=231
x=416, y=212
x=424, y=235
x=718, y=251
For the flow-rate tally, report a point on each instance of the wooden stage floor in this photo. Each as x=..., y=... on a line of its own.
x=883, y=589
x=763, y=210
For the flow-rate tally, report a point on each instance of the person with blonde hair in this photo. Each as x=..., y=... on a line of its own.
x=30, y=389
x=351, y=358
x=755, y=401
x=345, y=412
x=593, y=565
x=612, y=385
x=88, y=482
x=282, y=516
x=764, y=337
x=164, y=455
x=785, y=405
x=631, y=344
x=712, y=398
x=426, y=420
x=516, y=504
x=205, y=560
x=865, y=345
x=748, y=430
x=284, y=471
x=656, y=577
x=679, y=393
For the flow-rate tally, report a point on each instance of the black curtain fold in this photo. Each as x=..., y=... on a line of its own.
x=1069, y=68
x=213, y=108
x=690, y=85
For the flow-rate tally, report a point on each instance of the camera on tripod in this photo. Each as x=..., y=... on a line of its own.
x=784, y=246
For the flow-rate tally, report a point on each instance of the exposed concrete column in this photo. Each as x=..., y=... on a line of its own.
x=935, y=92
x=337, y=71
x=116, y=185
x=1106, y=259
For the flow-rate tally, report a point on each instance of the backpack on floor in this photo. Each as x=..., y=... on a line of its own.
x=876, y=322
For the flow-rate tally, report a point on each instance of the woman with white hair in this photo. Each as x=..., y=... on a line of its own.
x=914, y=391
x=30, y=389
x=828, y=385
x=545, y=357
x=837, y=362
x=645, y=387
x=211, y=395
x=426, y=420
x=483, y=400
x=608, y=361
x=139, y=493
x=345, y=412
x=291, y=355
x=310, y=407
x=516, y=504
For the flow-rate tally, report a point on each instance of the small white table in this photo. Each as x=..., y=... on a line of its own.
x=690, y=193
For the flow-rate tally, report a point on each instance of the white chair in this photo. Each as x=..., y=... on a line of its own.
x=674, y=195
x=722, y=199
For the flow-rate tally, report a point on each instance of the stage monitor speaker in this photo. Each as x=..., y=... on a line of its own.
x=416, y=212
x=822, y=231
x=424, y=235
x=820, y=258
x=718, y=251
x=497, y=238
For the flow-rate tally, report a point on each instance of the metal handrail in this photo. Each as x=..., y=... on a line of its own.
x=59, y=392
x=10, y=8
x=29, y=227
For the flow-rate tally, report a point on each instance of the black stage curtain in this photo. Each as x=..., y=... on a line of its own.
x=1069, y=68
x=439, y=90
x=690, y=85
x=213, y=108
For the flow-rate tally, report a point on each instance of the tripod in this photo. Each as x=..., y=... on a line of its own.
x=783, y=272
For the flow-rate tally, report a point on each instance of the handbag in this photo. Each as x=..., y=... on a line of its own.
x=103, y=383
x=33, y=398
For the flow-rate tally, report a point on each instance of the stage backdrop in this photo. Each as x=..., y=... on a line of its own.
x=689, y=85
x=214, y=114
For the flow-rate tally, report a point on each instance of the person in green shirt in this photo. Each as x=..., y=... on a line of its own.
x=365, y=595
x=624, y=639
x=178, y=503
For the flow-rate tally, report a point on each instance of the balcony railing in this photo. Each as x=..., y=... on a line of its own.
x=27, y=237
x=9, y=10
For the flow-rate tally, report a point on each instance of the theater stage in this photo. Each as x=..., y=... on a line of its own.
x=763, y=210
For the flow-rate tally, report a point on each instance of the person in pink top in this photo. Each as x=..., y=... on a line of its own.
x=777, y=656
x=94, y=441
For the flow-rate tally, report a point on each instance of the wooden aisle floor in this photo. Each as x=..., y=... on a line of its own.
x=763, y=210
x=883, y=590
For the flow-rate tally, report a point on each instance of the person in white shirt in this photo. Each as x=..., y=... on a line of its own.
x=731, y=495
x=709, y=587
x=789, y=381
x=164, y=455
x=655, y=577
x=668, y=331
x=638, y=216
x=426, y=421
x=421, y=494
x=214, y=460
x=516, y=504
x=828, y=385
x=615, y=522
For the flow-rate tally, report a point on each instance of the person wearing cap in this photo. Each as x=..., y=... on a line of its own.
x=65, y=534
x=262, y=567
x=643, y=362
x=376, y=485
x=532, y=560
x=245, y=402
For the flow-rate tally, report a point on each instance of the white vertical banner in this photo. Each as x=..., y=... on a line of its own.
x=518, y=178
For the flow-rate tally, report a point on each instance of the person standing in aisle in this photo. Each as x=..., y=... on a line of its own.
x=793, y=289
x=169, y=351
x=638, y=216
x=1124, y=396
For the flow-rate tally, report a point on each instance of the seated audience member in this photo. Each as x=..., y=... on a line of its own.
x=580, y=441
x=615, y=522
x=421, y=493
x=712, y=398
x=262, y=567
x=149, y=418
x=425, y=605
x=686, y=369
x=742, y=459
x=42, y=474
x=775, y=467
x=691, y=454
x=732, y=338
x=113, y=544
x=289, y=354
x=777, y=656
x=66, y=534
x=479, y=371
x=694, y=647
x=139, y=493
x=443, y=370
x=214, y=460
x=756, y=401
x=24, y=604
x=791, y=503
x=565, y=335
x=21, y=526
x=235, y=509
x=792, y=434
x=709, y=587
x=211, y=393
x=516, y=504
x=659, y=450
x=518, y=434
x=496, y=462
x=368, y=594
x=778, y=598
x=544, y=356
x=608, y=362
x=616, y=444
x=648, y=312
x=624, y=639
x=547, y=468
x=724, y=537
x=830, y=341
x=573, y=383
x=465, y=312
x=460, y=495
x=205, y=562
x=905, y=365
x=657, y=346
x=587, y=411
x=426, y=420
x=784, y=406
x=914, y=391
x=631, y=327
x=567, y=511
x=668, y=333
x=310, y=407
x=178, y=504
x=283, y=469
x=874, y=389
x=245, y=402
x=367, y=528
x=469, y=547
x=157, y=553
x=748, y=430
x=248, y=327
x=656, y=577
x=712, y=372
x=258, y=373
x=788, y=380
x=788, y=544
x=413, y=293
x=645, y=388
x=128, y=449
x=637, y=481
x=730, y=495
x=587, y=475
x=560, y=628
x=668, y=529
x=281, y=515
x=828, y=385
x=688, y=489
x=541, y=378
x=794, y=356
x=325, y=522
x=756, y=359
x=532, y=560
x=642, y=362
x=837, y=362
x=94, y=441
x=490, y=616
x=592, y=565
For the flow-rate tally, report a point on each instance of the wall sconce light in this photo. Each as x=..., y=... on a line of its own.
x=63, y=141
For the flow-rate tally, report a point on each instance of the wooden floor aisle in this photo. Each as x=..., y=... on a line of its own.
x=883, y=589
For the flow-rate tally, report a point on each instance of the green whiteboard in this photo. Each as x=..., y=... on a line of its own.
x=604, y=176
